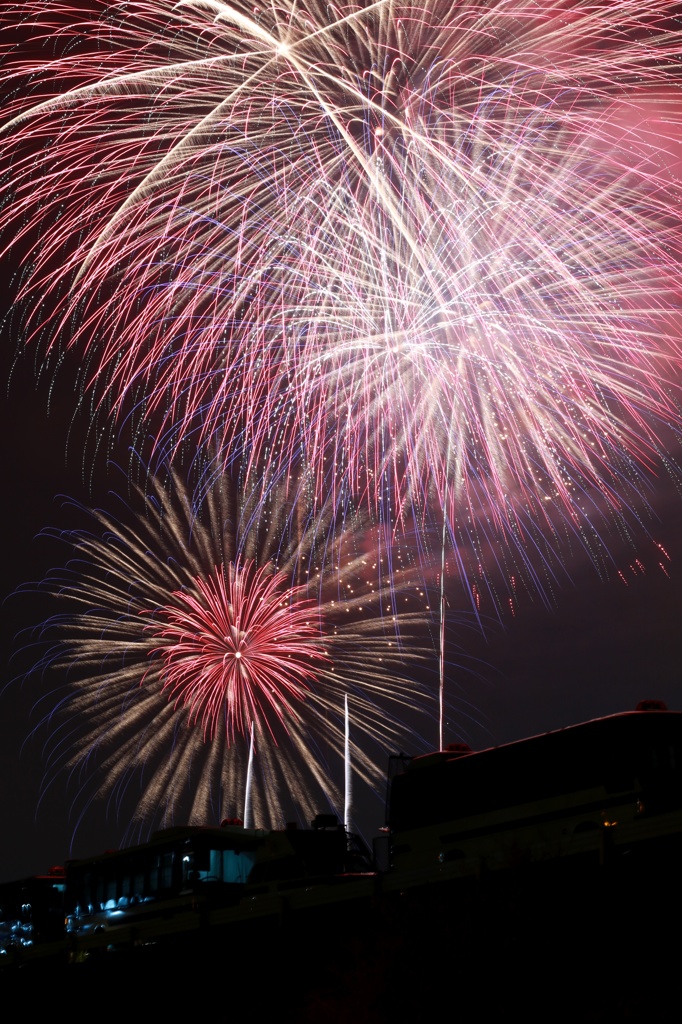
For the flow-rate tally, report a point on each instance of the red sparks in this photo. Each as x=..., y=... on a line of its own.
x=245, y=646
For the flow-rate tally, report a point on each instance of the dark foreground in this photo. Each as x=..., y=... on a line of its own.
x=574, y=944
x=537, y=881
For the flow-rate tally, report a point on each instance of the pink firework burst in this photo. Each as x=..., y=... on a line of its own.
x=429, y=251
x=246, y=646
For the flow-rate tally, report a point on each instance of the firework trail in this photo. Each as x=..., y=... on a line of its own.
x=431, y=250
x=191, y=641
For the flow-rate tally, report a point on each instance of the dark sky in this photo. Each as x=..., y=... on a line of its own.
x=604, y=646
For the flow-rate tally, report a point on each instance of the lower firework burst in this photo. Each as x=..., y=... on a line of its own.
x=188, y=632
x=241, y=649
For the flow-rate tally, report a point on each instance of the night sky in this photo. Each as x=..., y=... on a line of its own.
x=607, y=641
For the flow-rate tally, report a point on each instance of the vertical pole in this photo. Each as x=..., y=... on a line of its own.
x=441, y=653
x=348, y=791
x=248, y=810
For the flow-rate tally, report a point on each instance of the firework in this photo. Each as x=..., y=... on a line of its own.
x=241, y=646
x=190, y=637
x=431, y=250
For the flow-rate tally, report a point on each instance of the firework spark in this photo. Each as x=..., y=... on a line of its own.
x=185, y=634
x=435, y=248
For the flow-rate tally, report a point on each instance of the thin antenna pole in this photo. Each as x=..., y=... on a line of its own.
x=441, y=653
x=248, y=811
x=348, y=793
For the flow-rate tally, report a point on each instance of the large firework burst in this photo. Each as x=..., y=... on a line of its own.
x=434, y=247
x=186, y=632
